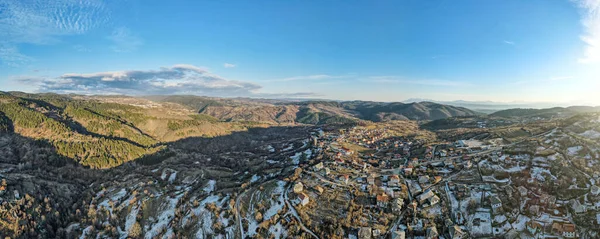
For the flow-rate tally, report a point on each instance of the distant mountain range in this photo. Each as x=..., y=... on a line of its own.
x=491, y=106
x=314, y=112
x=546, y=113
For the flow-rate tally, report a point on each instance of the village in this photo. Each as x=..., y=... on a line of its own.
x=462, y=189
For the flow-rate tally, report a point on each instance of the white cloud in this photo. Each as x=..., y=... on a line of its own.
x=124, y=40
x=178, y=79
x=509, y=42
x=43, y=22
x=229, y=65
x=591, y=23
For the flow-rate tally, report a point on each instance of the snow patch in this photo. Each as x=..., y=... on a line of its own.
x=574, y=150
x=210, y=186
x=592, y=134
x=165, y=217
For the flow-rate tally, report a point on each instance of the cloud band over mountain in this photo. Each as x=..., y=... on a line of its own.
x=178, y=79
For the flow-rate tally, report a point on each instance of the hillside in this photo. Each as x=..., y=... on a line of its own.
x=99, y=133
x=314, y=112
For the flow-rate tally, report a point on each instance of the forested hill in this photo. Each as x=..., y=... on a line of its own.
x=315, y=112
x=100, y=132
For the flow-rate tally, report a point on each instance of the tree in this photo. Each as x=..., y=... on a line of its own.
x=3, y=185
x=136, y=230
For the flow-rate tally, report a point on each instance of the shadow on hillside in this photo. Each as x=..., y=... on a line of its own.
x=36, y=164
x=6, y=124
x=231, y=150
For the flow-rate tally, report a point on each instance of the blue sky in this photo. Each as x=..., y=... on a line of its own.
x=499, y=50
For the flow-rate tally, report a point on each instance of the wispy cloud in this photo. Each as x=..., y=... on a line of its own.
x=509, y=42
x=591, y=36
x=229, y=65
x=402, y=80
x=178, y=79
x=43, y=22
x=10, y=55
x=124, y=40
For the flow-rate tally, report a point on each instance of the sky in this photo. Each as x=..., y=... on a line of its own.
x=493, y=50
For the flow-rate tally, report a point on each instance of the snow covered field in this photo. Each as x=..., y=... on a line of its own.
x=592, y=134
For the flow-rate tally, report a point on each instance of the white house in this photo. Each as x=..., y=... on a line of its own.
x=304, y=199
x=496, y=203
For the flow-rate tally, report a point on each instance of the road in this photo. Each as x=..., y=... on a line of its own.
x=295, y=214
x=237, y=214
x=325, y=179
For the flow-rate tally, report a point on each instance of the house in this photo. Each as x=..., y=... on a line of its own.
x=565, y=230
x=298, y=187
x=547, y=200
x=423, y=179
x=533, y=227
x=522, y=191
x=557, y=228
x=434, y=200
x=437, y=179
x=425, y=196
x=325, y=171
x=496, y=203
x=318, y=166
x=569, y=231
x=394, y=180
x=319, y=189
x=577, y=206
x=304, y=199
x=456, y=232
x=468, y=164
x=371, y=179
x=443, y=153
x=398, y=235
x=534, y=210
x=344, y=178
x=432, y=233
x=364, y=233
x=397, y=205
x=595, y=190
x=408, y=170
x=383, y=200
